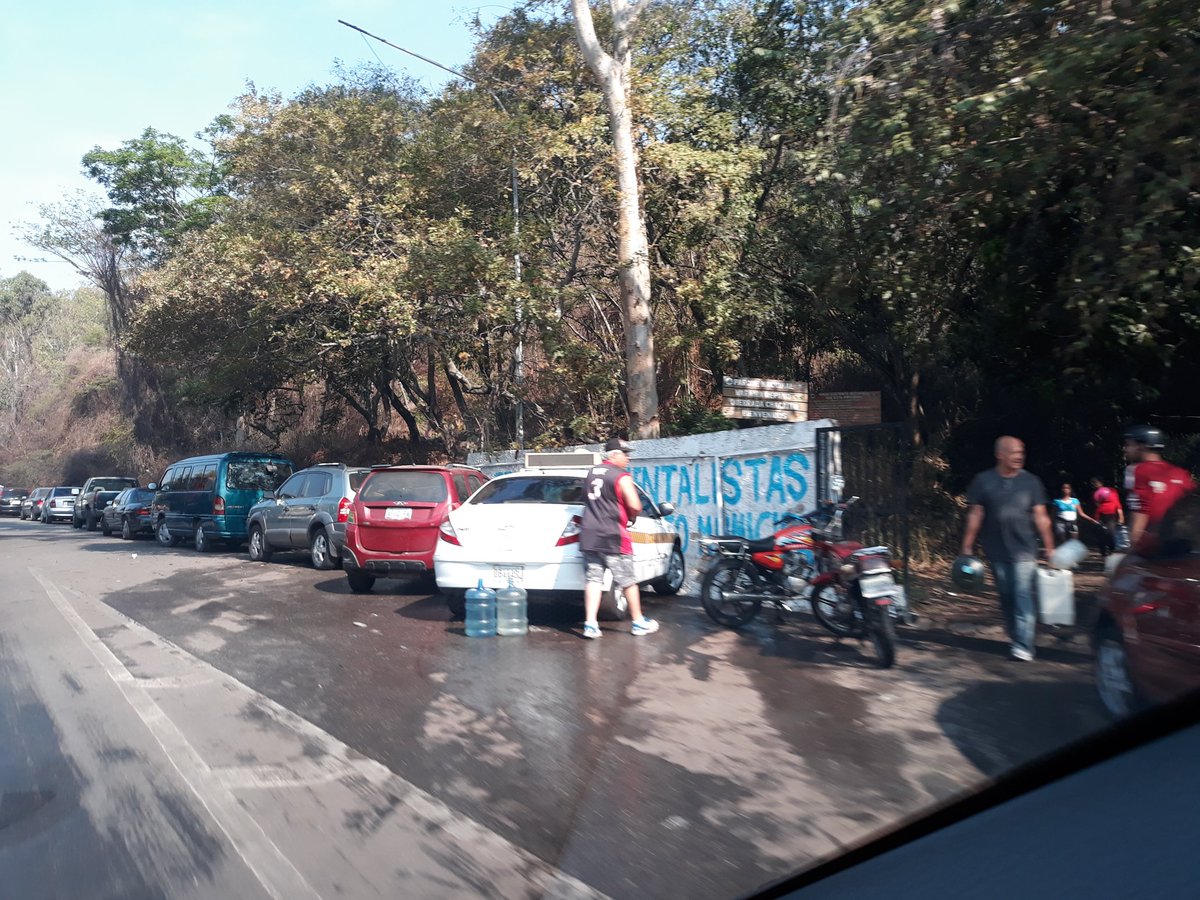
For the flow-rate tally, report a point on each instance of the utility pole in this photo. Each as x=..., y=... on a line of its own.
x=519, y=352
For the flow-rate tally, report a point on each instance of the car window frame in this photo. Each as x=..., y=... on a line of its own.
x=301, y=480
x=1188, y=506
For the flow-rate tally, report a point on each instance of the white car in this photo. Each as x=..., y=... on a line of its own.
x=524, y=526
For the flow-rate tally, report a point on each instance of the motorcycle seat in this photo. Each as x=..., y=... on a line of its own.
x=760, y=545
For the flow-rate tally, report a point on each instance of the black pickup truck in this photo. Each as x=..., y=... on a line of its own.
x=97, y=493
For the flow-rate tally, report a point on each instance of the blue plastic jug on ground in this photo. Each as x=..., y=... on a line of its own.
x=481, y=611
x=512, y=610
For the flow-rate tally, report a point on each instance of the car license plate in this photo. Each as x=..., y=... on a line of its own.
x=877, y=586
x=504, y=574
x=397, y=514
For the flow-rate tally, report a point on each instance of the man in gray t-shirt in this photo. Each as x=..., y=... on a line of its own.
x=1007, y=514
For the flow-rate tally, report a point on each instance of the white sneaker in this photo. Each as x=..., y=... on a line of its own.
x=1021, y=653
x=592, y=632
x=643, y=626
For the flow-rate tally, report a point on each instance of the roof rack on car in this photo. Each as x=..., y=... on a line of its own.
x=562, y=459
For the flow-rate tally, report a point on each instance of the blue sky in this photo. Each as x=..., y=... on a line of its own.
x=80, y=74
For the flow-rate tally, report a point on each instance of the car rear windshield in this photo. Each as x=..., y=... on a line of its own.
x=16, y=492
x=113, y=484
x=256, y=474
x=64, y=491
x=141, y=495
x=406, y=487
x=531, y=489
x=356, y=478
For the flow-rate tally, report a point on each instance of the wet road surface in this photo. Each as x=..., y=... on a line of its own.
x=354, y=745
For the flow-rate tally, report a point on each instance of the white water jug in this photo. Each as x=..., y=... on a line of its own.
x=1056, y=596
x=1069, y=555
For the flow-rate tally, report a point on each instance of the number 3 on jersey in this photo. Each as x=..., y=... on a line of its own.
x=594, y=490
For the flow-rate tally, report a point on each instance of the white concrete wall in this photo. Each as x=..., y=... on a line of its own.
x=724, y=482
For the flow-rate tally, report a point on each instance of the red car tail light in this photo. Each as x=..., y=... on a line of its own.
x=570, y=534
x=345, y=508
x=218, y=506
x=448, y=534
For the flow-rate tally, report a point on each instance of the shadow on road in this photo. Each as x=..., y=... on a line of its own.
x=999, y=725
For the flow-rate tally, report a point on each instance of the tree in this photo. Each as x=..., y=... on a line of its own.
x=24, y=303
x=612, y=71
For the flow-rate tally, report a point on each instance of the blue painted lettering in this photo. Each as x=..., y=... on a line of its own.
x=775, y=481
x=754, y=465
x=797, y=461
x=685, y=484
x=731, y=490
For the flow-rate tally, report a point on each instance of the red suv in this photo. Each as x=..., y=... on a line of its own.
x=1148, y=633
x=392, y=528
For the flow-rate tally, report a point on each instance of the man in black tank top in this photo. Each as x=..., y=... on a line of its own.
x=610, y=503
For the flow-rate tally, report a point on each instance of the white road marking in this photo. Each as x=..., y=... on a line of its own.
x=278, y=876
x=213, y=786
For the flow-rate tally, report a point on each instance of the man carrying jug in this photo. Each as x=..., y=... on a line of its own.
x=1007, y=514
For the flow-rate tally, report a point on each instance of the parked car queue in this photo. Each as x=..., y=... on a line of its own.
x=450, y=526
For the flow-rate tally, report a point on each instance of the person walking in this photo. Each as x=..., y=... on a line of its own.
x=1152, y=484
x=1007, y=514
x=1067, y=513
x=610, y=504
x=1109, y=513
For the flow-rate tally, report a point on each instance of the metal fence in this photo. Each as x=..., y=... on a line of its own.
x=873, y=463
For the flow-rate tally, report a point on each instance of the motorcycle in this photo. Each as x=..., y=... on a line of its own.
x=850, y=588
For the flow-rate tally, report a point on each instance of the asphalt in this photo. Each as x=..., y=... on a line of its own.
x=696, y=762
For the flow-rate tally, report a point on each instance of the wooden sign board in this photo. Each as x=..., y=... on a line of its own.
x=848, y=407
x=765, y=399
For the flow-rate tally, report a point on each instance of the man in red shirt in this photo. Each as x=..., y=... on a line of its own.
x=610, y=503
x=1109, y=513
x=1152, y=484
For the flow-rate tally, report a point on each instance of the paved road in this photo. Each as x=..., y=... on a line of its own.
x=200, y=726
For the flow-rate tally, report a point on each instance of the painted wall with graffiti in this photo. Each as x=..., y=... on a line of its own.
x=726, y=482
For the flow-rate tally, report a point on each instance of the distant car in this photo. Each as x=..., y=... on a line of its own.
x=59, y=504
x=10, y=501
x=393, y=525
x=524, y=526
x=1148, y=632
x=308, y=512
x=31, y=506
x=131, y=513
x=97, y=492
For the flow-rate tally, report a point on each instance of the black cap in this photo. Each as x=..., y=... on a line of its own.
x=618, y=444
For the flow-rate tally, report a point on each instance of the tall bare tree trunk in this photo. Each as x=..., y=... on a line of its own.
x=633, y=246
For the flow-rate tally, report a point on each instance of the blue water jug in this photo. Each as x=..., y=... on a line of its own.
x=512, y=610
x=481, y=611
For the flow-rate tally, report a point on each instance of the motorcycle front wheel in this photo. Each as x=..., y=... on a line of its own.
x=831, y=607
x=722, y=593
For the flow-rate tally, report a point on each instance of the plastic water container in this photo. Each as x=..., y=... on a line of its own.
x=512, y=610
x=1069, y=555
x=481, y=611
x=1056, y=596
x=1121, y=538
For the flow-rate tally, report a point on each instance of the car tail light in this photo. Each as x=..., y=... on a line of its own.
x=218, y=506
x=345, y=510
x=142, y=512
x=570, y=534
x=448, y=534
